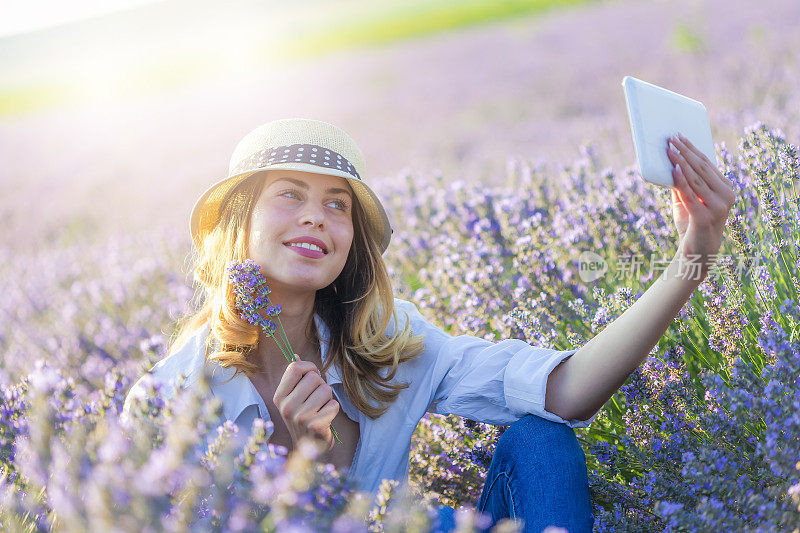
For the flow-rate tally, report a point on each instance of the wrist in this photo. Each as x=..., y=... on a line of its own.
x=688, y=269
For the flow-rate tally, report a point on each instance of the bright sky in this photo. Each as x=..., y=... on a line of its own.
x=21, y=16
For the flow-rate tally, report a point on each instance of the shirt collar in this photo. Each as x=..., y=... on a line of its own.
x=239, y=393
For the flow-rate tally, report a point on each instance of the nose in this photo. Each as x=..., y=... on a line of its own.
x=312, y=214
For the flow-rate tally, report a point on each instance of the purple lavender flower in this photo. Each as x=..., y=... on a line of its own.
x=252, y=297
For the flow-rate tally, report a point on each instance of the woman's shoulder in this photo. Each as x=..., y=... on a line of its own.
x=187, y=360
x=407, y=312
x=405, y=305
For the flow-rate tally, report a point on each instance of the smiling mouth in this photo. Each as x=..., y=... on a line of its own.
x=305, y=248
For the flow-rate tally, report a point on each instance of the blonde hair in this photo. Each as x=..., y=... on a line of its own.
x=356, y=307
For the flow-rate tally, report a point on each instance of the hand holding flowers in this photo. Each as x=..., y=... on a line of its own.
x=304, y=400
x=306, y=403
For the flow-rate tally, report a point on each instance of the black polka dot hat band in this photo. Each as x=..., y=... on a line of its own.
x=304, y=153
x=293, y=144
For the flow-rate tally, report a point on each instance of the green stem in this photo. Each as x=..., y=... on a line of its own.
x=283, y=351
x=280, y=346
x=777, y=185
x=699, y=352
x=787, y=280
x=290, y=351
x=749, y=359
x=287, y=351
x=614, y=401
x=744, y=313
x=763, y=300
x=795, y=204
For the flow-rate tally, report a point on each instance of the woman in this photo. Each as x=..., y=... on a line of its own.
x=371, y=365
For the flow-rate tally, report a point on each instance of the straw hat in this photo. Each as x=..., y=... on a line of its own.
x=294, y=144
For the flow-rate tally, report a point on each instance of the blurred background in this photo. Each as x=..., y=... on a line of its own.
x=115, y=115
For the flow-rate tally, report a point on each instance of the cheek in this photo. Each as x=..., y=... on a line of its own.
x=256, y=230
x=263, y=224
x=256, y=237
x=346, y=238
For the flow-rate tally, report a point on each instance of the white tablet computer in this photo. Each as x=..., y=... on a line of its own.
x=657, y=113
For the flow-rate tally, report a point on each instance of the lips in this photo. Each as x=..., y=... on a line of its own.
x=309, y=240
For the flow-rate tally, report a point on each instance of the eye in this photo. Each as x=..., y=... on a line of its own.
x=341, y=204
x=289, y=193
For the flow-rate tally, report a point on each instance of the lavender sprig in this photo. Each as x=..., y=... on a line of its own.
x=252, y=298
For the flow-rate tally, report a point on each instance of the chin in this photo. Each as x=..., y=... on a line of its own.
x=312, y=283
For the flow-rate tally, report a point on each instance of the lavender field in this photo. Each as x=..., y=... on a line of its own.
x=502, y=172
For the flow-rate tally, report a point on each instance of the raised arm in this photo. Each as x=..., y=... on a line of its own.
x=701, y=201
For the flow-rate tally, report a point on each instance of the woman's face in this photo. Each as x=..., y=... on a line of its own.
x=295, y=210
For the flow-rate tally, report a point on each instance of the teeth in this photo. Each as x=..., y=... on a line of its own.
x=306, y=245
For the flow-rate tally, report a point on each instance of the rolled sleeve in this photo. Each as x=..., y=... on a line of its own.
x=526, y=383
x=471, y=372
x=490, y=382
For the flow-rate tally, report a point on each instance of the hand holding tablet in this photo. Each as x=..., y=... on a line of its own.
x=655, y=114
x=701, y=196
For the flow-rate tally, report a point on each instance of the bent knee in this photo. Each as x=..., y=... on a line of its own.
x=533, y=430
x=540, y=440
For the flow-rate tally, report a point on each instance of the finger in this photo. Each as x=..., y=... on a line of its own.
x=703, y=166
x=301, y=392
x=289, y=380
x=328, y=412
x=696, y=183
x=676, y=198
x=679, y=155
x=729, y=193
x=718, y=200
x=687, y=195
x=713, y=193
x=302, y=367
x=693, y=155
x=323, y=418
x=734, y=196
x=321, y=396
x=305, y=366
x=292, y=377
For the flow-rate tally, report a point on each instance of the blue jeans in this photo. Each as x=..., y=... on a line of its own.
x=538, y=474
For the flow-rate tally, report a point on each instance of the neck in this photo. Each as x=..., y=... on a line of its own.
x=296, y=317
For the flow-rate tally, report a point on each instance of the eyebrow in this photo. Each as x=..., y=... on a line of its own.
x=334, y=190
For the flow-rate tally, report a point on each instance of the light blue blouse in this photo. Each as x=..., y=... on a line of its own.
x=490, y=382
